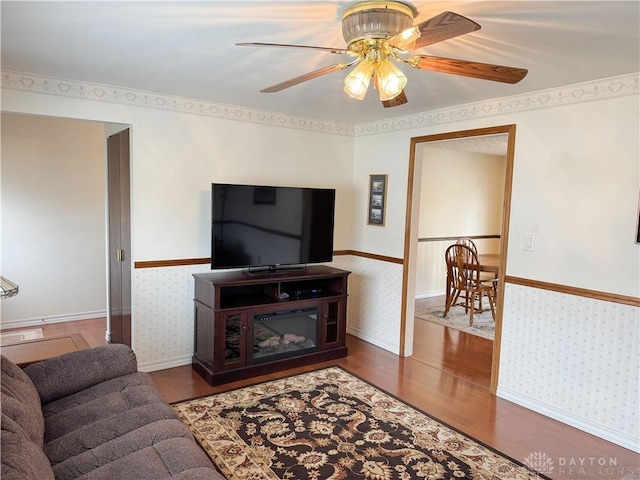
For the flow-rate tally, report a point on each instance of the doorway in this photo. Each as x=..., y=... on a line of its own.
x=411, y=232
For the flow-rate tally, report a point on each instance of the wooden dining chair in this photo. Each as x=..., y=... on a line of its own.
x=484, y=276
x=463, y=277
x=469, y=243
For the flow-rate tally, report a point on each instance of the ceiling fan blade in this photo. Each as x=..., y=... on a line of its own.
x=401, y=99
x=485, y=71
x=303, y=78
x=284, y=45
x=442, y=27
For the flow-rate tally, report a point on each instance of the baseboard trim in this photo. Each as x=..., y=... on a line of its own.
x=39, y=321
x=430, y=294
x=387, y=346
x=180, y=361
x=599, y=430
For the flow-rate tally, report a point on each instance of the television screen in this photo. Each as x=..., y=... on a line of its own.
x=264, y=226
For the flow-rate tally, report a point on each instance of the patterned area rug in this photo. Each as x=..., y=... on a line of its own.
x=9, y=338
x=483, y=324
x=329, y=424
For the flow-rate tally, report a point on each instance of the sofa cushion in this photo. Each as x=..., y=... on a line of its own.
x=70, y=373
x=175, y=457
x=22, y=459
x=20, y=401
x=98, y=403
x=133, y=445
x=103, y=430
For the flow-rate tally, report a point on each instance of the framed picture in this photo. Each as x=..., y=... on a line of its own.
x=377, y=197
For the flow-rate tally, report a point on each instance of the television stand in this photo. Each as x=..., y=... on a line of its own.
x=249, y=325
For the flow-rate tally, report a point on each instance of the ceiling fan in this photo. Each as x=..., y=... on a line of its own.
x=381, y=33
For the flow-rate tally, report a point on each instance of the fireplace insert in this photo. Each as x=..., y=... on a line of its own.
x=284, y=334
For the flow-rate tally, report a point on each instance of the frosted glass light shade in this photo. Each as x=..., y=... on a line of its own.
x=406, y=39
x=390, y=80
x=357, y=82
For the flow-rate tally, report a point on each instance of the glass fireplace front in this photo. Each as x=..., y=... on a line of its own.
x=284, y=334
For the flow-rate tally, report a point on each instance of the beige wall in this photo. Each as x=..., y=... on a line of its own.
x=53, y=218
x=461, y=194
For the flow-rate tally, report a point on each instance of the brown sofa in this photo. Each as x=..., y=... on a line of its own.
x=92, y=415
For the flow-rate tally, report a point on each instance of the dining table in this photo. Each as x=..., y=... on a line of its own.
x=489, y=262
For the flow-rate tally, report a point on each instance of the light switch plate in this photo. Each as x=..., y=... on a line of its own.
x=529, y=242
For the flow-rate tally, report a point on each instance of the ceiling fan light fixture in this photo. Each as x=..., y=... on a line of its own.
x=390, y=81
x=367, y=20
x=357, y=82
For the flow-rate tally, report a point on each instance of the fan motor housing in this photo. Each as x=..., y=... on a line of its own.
x=375, y=20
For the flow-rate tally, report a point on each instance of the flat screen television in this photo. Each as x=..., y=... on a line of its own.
x=267, y=228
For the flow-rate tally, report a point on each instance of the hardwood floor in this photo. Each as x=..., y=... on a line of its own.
x=447, y=378
x=464, y=356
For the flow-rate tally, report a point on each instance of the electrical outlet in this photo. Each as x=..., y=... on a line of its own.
x=529, y=242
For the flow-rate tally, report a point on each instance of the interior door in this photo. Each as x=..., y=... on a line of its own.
x=119, y=226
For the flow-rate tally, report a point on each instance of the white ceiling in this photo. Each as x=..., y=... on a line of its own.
x=187, y=49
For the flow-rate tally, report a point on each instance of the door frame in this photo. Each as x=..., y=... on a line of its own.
x=411, y=238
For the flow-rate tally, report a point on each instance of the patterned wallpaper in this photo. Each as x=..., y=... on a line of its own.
x=163, y=323
x=163, y=309
x=375, y=300
x=543, y=366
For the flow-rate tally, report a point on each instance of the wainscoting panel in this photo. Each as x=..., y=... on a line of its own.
x=163, y=308
x=375, y=299
x=431, y=272
x=543, y=365
x=163, y=315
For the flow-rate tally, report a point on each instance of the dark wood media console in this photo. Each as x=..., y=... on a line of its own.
x=248, y=325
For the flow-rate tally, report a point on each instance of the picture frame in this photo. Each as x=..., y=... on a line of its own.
x=377, y=199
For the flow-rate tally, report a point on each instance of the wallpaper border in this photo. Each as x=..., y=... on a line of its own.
x=617, y=86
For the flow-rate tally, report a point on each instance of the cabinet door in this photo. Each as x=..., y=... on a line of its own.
x=332, y=326
x=232, y=339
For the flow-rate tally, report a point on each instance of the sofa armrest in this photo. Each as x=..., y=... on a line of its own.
x=67, y=374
